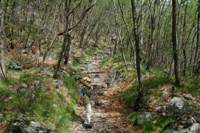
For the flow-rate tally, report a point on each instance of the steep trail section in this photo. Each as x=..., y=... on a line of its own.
x=108, y=112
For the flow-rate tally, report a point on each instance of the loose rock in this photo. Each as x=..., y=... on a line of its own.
x=58, y=84
x=195, y=128
x=23, y=124
x=175, y=106
x=145, y=116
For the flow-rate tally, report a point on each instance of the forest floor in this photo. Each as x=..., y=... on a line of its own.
x=109, y=114
x=113, y=89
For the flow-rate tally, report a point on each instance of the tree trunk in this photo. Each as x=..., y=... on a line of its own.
x=196, y=57
x=175, y=52
x=2, y=35
x=184, y=42
x=66, y=38
x=137, y=48
x=151, y=37
x=67, y=50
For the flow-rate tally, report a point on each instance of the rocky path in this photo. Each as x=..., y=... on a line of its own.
x=108, y=113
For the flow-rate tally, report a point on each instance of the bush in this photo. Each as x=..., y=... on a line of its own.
x=70, y=83
x=158, y=124
x=130, y=96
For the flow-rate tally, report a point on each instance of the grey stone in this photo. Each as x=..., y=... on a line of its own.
x=162, y=110
x=176, y=103
x=58, y=84
x=145, y=116
x=23, y=124
x=195, y=128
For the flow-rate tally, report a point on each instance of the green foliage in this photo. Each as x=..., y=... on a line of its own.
x=156, y=81
x=146, y=127
x=70, y=83
x=115, y=63
x=54, y=110
x=133, y=117
x=91, y=51
x=47, y=106
x=158, y=124
x=76, y=62
x=130, y=96
x=194, y=83
x=105, y=60
x=8, y=81
x=5, y=98
x=192, y=86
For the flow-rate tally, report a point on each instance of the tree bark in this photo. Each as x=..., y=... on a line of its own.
x=196, y=57
x=184, y=42
x=2, y=35
x=66, y=37
x=174, y=43
x=151, y=36
x=138, y=60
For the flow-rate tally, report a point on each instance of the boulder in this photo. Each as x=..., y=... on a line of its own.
x=175, y=106
x=177, y=102
x=23, y=124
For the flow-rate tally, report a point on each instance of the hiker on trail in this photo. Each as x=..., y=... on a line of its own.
x=81, y=94
x=85, y=100
x=84, y=89
x=88, y=112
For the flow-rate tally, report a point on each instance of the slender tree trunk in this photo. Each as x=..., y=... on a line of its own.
x=66, y=38
x=184, y=43
x=196, y=57
x=2, y=35
x=151, y=37
x=67, y=50
x=137, y=48
x=174, y=43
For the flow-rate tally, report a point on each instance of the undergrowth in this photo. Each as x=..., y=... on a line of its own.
x=42, y=103
x=157, y=124
x=152, y=83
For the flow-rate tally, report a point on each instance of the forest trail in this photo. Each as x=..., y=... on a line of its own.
x=108, y=112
